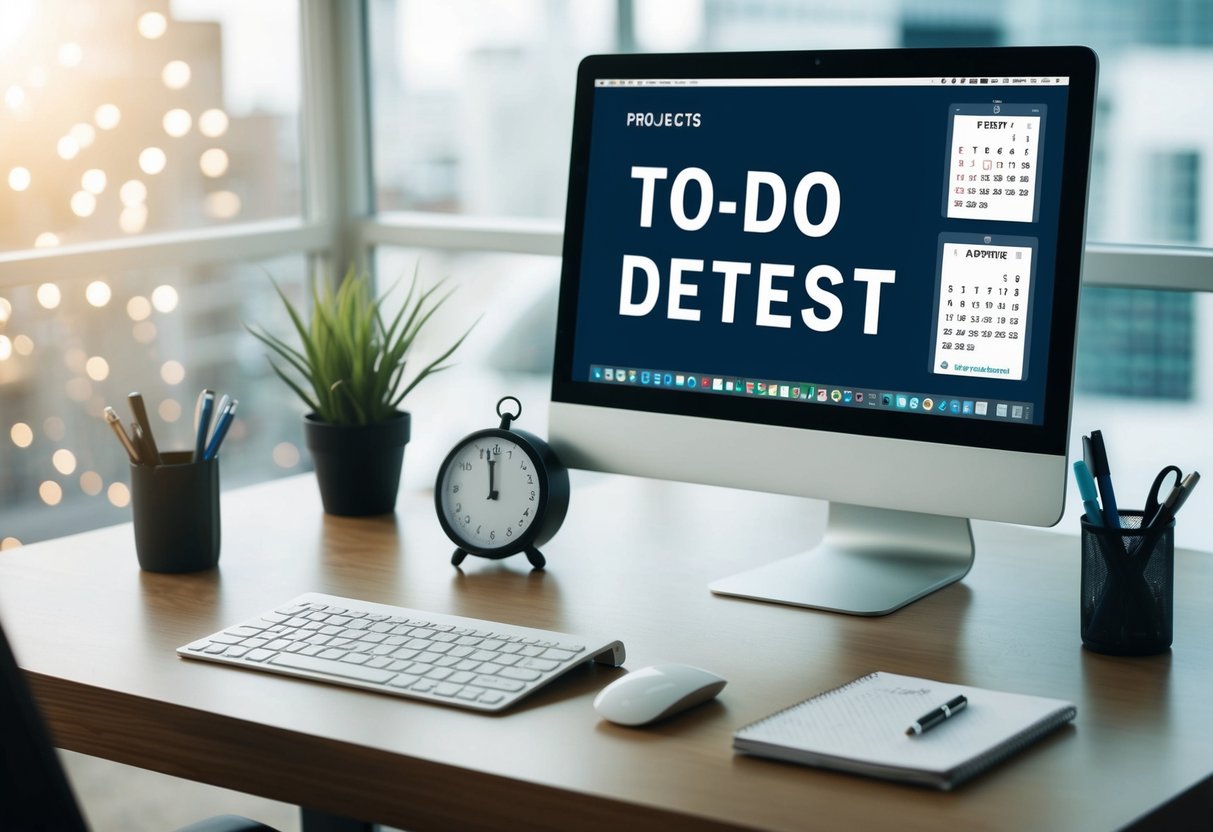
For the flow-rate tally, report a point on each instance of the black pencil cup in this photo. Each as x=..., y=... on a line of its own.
x=1128, y=582
x=176, y=512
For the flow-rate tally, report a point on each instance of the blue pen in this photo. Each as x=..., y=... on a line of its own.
x=1097, y=460
x=206, y=406
x=1086, y=488
x=225, y=422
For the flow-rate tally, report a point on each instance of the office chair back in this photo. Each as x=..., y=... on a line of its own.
x=34, y=792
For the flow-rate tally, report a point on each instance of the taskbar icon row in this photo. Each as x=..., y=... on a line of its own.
x=819, y=393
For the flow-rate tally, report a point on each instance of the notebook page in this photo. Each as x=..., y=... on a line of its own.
x=866, y=721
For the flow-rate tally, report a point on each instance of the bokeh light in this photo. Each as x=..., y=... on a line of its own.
x=176, y=75
x=49, y=296
x=21, y=434
x=83, y=204
x=177, y=123
x=164, y=298
x=50, y=492
x=93, y=180
x=285, y=455
x=213, y=162
x=212, y=123
x=70, y=54
x=172, y=372
x=6, y=348
x=107, y=116
x=98, y=293
x=152, y=160
x=97, y=368
x=119, y=495
x=19, y=178
x=91, y=483
x=152, y=25
x=138, y=308
x=64, y=461
x=23, y=344
x=9, y=543
x=67, y=148
x=132, y=192
x=221, y=205
x=84, y=134
x=47, y=239
x=169, y=410
x=133, y=218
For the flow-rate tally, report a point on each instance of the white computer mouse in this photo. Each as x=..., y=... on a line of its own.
x=656, y=692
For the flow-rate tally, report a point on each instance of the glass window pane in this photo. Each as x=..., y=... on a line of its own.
x=512, y=300
x=473, y=99
x=126, y=118
x=1146, y=380
x=69, y=348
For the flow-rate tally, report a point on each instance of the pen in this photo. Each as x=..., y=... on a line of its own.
x=929, y=720
x=225, y=422
x=206, y=405
x=1175, y=500
x=1086, y=488
x=115, y=422
x=149, y=442
x=1096, y=456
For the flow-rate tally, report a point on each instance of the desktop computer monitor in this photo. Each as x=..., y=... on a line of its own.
x=845, y=275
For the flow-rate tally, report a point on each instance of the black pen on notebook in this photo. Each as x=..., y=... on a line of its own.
x=929, y=720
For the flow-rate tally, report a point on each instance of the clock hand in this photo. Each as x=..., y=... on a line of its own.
x=492, y=491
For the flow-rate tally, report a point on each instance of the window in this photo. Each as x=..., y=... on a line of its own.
x=468, y=127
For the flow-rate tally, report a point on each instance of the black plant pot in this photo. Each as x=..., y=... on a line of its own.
x=358, y=466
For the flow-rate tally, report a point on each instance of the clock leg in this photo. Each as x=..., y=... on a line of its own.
x=535, y=557
x=458, y=557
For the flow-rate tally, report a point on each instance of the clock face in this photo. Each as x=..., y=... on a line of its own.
x=491, y=492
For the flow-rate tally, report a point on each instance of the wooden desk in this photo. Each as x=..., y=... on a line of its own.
x=97, y=637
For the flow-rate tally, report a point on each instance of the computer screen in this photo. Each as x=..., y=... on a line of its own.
x=846, y=275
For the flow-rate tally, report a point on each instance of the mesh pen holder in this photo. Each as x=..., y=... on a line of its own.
x=1128, y=582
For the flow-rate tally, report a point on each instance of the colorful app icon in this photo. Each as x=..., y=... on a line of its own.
x=645, y=376
x=858, y=397
x=847, y=395
x=690, y=381
x=1001, y=411
x=609, y=373
x=680, y=381
x=835, y=395
x=632, y=376
x=1017, y=411
x=967, y=408
x=903, y=401
x=656, y=379
x=668, y=379
x=812, y=391
x=928, y=403
x=886, y=399
x=954, y=405
x=914, y=402
x=981, y=408
x=795, y=392
x=596, y=374
x=749, y=387
x=762, y=388
x=785, y=390
x=822, y=393
x=705, y=382
x=718, y=384
x=943, y=405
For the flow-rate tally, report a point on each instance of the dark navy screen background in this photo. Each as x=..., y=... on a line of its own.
x=887, y=149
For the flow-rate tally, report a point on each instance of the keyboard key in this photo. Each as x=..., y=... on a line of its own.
x=342, y=669
x=538, y=664
x=521, y=674
x=497, y=683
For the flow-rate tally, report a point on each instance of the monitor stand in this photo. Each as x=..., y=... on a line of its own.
x=872, y=561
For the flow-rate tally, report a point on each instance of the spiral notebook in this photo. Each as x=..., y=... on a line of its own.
x=860, y=728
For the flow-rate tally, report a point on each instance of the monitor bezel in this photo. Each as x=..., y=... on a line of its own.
x=1079, y=64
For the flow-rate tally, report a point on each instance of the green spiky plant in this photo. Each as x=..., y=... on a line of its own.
x=351, y=368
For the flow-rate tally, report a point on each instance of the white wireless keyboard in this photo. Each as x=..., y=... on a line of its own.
x=466, y=662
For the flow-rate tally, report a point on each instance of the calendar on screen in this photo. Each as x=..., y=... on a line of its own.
x=983, y=306
x=993, y=161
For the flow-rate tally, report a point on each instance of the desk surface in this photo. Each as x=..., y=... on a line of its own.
x=633, y=561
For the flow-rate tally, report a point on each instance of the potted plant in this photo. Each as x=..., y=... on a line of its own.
x=350, y=372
